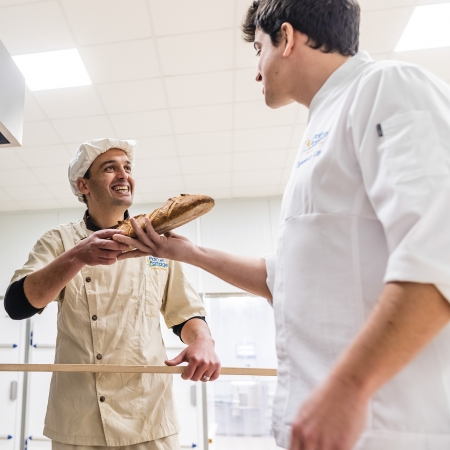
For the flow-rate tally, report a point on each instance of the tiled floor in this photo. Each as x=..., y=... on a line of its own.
x=244, y=443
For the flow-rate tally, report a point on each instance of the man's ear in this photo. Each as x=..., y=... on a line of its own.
x=82, y=185
x=287, y=32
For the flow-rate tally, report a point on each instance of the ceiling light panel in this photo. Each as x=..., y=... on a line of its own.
x=53, y=70
x=428, y=28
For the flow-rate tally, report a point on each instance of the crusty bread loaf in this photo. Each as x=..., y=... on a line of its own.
x=177, y=211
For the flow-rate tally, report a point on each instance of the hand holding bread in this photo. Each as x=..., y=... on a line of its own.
x=143, y=232
x=177, y=211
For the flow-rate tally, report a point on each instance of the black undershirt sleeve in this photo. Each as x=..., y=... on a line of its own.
x=16, y=303
x=177, y=328
x=18, y=307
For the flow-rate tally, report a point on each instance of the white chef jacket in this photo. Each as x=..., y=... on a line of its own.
x=368, y=202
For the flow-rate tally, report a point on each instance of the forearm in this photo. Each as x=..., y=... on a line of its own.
x=244, y=272
x=407, y=317
x=43, y=286
x=195, y=329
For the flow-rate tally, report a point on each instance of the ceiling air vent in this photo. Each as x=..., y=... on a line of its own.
x=12, y=101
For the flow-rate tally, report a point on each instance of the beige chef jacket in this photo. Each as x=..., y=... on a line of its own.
x=111, y=315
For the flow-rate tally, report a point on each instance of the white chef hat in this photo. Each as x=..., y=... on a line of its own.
x=86, y=154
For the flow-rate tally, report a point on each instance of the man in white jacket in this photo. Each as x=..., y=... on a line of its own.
x=361, y=280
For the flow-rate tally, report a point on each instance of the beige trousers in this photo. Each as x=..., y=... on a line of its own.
x=165, y=443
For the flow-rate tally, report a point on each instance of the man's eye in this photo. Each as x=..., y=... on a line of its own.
x=128, y=169
x=109, y=168
x=258, y=53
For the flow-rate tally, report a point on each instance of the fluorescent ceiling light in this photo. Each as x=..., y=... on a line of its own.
x=428, y=28
x=53, y=70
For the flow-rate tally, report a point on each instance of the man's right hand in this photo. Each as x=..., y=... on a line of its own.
x=99, y=248
x=150, y=243
x=43, y=286
x=244, y=272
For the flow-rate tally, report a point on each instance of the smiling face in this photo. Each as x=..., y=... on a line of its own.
x=110, y=183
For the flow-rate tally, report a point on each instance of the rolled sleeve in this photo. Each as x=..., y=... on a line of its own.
x=46, y=250
x=271, y=264
x=403, y=148
x=180, y=302
x=423, y=256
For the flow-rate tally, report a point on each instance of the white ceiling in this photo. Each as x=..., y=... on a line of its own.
x=177, y=77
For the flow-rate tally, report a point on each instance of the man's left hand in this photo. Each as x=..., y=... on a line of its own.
x=203, y=363
x=331, y=419
x=407, y=317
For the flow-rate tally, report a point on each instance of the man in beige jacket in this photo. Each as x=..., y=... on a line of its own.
x=108, y=313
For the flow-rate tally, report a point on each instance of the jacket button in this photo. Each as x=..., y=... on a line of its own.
x=99, y=356
x=102, y=398
x=94, y=317
x=88, y=279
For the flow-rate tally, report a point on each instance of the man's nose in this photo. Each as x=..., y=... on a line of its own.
x=258, y=77
x=122, y=174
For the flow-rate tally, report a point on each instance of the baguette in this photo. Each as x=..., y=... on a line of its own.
x=177, y=211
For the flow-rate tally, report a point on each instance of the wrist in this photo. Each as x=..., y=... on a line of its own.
x=351, y=384
x=201, y=337
x=74, y=257
x=193, y=255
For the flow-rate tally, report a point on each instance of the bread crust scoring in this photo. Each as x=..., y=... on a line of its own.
x=177, y=211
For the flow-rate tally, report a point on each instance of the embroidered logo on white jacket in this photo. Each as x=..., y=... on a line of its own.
x=313, y=148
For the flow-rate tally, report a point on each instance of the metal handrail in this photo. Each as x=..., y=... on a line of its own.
x=39, y=438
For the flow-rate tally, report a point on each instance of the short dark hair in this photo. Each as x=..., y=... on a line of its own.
x=331, y=25
x=86, y=176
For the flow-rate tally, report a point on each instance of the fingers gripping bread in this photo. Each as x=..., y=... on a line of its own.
x=177, y=211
